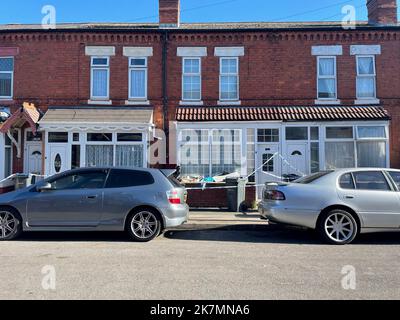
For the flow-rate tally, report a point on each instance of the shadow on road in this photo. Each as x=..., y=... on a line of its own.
x=272, y=234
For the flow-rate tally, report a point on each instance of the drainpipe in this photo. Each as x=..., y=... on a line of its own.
x=165, y=92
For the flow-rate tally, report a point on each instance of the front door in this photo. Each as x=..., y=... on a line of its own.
x=297, y=156
x=33, y=158
x=58, y=159
x=268, y=163
x=75, y=200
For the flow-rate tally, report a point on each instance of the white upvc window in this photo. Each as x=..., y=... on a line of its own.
x=366, y=77
x=100, y=78
x=327, y=79
x=191, y=79
x=138, y=74
x=6, y=77
x=229, y=79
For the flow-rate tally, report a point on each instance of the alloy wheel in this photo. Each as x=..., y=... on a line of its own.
x=8, y=224
x=339, y=227
x=144, y=225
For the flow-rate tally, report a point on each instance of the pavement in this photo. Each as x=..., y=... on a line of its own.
x=215, y=256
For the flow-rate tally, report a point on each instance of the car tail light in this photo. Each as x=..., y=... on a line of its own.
x=274, y=195
x=173, y=197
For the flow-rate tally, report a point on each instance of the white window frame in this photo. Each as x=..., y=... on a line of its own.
x=138, y=68
x=191, y=74
x=12, y=79
x=229, y=74
x=100, y=67
x=327, y=77
x=365, y=76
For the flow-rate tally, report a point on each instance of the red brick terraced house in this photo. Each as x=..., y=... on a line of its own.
x=320, y=95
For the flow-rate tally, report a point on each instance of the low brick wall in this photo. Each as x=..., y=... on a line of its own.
x=215, y=198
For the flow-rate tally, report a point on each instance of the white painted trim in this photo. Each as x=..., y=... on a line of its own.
x=327, y=50
x=191, y=51
x=138, y=51
x=100, y=102
x=332, y=100
x=237, y=74
x=2, y=155
x=191, y=74
x=327, y=102
x=360, y=76
x=10, y=97
x=360, y=102
x=100, y=51
x=191, y=103
x=365, y=49
x=92, y=69
x=229, y=102
x=229, y=51
x=137, y=102
x=137, y=68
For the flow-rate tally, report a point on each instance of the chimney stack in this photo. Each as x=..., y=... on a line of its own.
x=169, y=13
x=382, y=12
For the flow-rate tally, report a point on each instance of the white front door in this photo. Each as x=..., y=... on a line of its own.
x=297, y=157
x=58, y=159
x=33, y=158
x=268, y=164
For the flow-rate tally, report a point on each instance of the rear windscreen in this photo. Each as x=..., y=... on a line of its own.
x=313, y=177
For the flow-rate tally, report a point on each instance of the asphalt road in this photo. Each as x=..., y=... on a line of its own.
x=199, y=262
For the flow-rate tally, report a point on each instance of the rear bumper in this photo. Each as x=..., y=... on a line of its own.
x=176, y=215
x=280, y=214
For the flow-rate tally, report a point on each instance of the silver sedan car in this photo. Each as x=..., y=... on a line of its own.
x=142, y=202
x=339, y=204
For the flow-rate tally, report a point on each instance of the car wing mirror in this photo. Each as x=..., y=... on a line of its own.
x=46, y=187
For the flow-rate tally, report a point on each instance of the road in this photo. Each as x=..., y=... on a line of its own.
x=200, y=262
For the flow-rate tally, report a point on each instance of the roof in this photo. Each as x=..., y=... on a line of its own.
x=27, y=113
x=187, y=26
x=97, y=115
x=280, y=113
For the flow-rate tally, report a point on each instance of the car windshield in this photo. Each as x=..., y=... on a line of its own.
x=313, y=177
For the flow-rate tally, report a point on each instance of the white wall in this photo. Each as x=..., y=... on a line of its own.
x=1, y=156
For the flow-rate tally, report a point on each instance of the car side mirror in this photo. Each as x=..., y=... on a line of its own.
x=46, y=187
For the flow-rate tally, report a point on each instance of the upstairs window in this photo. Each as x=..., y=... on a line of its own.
x=138, y=78
x=366, y=77
x=191, y=81
x=6, y=77
x=100, y=75
x=327, y=83
x=229, y=79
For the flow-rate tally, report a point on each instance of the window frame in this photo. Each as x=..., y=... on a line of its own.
x=385, y=176
x=53, y=179
x=365, y=76
x=99, y=67
x=221, y=74
x=191, y=74
x=12, y=78
x=138, y=68
x=327, y=77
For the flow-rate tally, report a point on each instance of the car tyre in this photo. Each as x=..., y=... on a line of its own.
x=338, y=227
x=10, y=224
x=144, y=225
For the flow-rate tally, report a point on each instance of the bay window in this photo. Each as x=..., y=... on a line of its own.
x=229, y=79
x=138, y=78
x=100, y=78
x=327, y=82
x=6, y=77
x=7, y=157
x=191, y=79
x=366, y=77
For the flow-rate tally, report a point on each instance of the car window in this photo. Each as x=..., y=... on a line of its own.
x=128, y=178
x=313, y=177
x=396, y=177
x=80, y=180
x=346, y=181
x=371, y=180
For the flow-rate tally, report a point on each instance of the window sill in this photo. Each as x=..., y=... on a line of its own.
x=7, y=100
x=229, y=103
x=137, y=102
x=327, y=102
x=366, y=101
x=102, y=102
x=191, y=103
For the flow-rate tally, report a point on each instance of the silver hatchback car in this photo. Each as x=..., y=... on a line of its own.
x=339, y=204
x=142, y=202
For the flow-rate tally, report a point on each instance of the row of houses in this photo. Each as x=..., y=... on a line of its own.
x=212, y=98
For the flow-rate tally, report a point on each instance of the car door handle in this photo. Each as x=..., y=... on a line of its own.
x=92, y=197
x=349, y=197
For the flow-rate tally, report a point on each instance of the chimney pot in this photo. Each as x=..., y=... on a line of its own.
x=169, y=13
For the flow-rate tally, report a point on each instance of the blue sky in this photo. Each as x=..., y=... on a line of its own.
x=29, y=11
